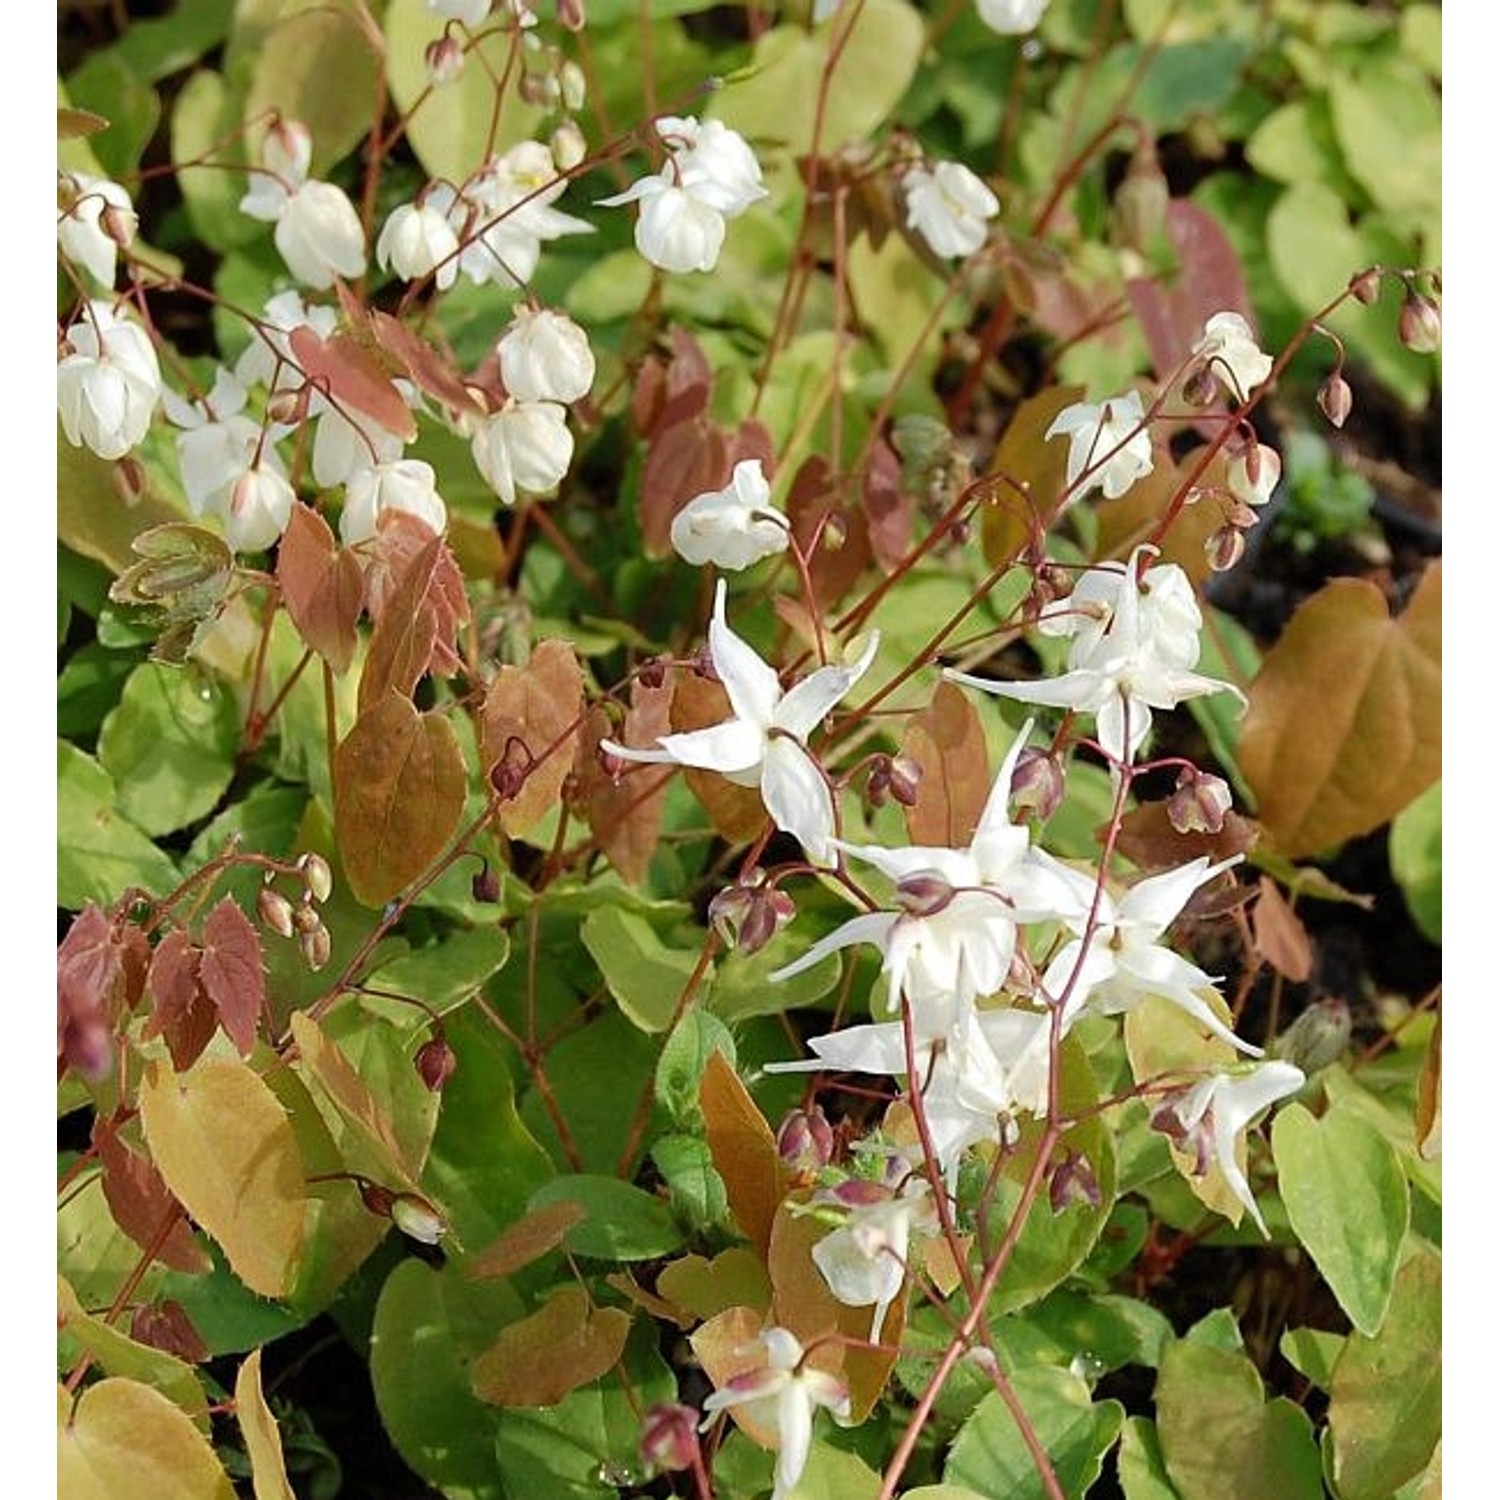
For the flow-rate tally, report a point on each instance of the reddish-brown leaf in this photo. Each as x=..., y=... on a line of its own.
x=1028, y=476
x=947, y=741
x=888, y=511
x=743, y=1149
x=1149, y=841
x=165, y=1325
x=625, y=815
x=181, y=1011
x=321, y=585
x=349, y=373
x=139, y=1202
x=429, y=369
x=729, y=1345
x=1345, y=720
x=402, y=641
x=1280, y=937
x=815, y=501
x=1429, y=1116
x=566, y=1343
x=101, y=973
x=682, y=462
x=401, y=544
x=669, y=391
x=232, y=971
x=532, y=718
x=399, y=783
x=1130, y=520
x=527, y=1240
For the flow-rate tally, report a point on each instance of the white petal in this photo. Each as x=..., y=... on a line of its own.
x=752, y=686
x=797, y=796
x=807, y=704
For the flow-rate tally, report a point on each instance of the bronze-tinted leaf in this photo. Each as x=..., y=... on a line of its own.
x=625, y=815
x=947, y=741
x=181, y=1011
x=1134, y=517
x=670, y=391
x=73, y=123
x=405, y=631
x=402, y=543
x=532, y=718
x=429, y=369
x=258, y=1427
x=815, y=502
x=744, y=1150
x=1028, y=476
x=232, y=972
x=140, y=1203
x=1345, y=720
x=1429, y=1116
x=347, y=372
x=166, y=1326
x=528, y=1239
x=225, y=1147
x=888, y=510
x=321, y=585
x=399, y=785
x=567, y=1343
x=1280, y=937
x=101, y=972
x=682, y=462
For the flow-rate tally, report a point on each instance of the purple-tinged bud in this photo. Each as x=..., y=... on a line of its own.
x=1037, y=784
x=508, y=774
x=275, y=911
x=769, y=911
x=436, y=1062
x=835, y=532
x=572, y=15
x=374, y=1197
x=418, y=1219
x=1199, y=803
x=857, y=1193
x=1073, y=1181
x=923, y=895
x=118, y=223
x=568, y=146
x=905, y=778
x=1224, y=548
x=288, y=408
x=652, y=672
x=305, y=917
x=611, y=764
x=1421, y=324
x=703, y=665
x=316, y=946
x=444, y=59
x=1319, y=1036
x=669, y=1437
x=1366, y=287
x=878, y=786
x=485, y=886
x=129, y=480
x=316, y=875
x=1336, y=399
x=805, y=1141
x=1201, y=388
x=959, y=531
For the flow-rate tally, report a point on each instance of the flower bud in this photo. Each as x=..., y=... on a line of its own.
x=669, y=1436
x=834, y=532
x=444, y=59
x=316, y=946
x=485, y=885
x=118, y=223
x=508, y=774
x=1366, y=287
x=805, y=1141
x=545, y=356
x=1199, y=803
x=569, y=147
x=305, y=916
x=1421, y=324
x=1200, y=388
x=374, y=1197
x=770, y=910
x=923, y=895
x=1336, y=399
x=1319, y=1036
x=288, y=406
x=571, y=78
x=572, y=15
x=1254, y=473
x=1224, y=548
x=1037, y=783
x=1073, y=1181
x=316, y=876
x=1140, y=206
x=652, y=672
x=540, y=90
x=436, y=1062
x=275, y=911
x=905, y=778
x=418, y=1219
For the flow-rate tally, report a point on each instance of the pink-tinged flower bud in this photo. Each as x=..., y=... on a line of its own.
x=905, y=779
x=1037, y=783
x=275, y=911
x=611, y=764
x=444, y=59
x=540, y=90
x=669, y=1436
x=317, y=947
x=1421, y=324
x=508, y=774
x=1366, y=287
x=1199, y=803
x=1021, y=978
x=1224, y=548
x=1254, y=473
x=805, y=1141
x=128, y=480
x=418, y=1219
x=704, y=665
x=485, y=885
x=1319, y=1036
x=374, y=1197
x=572, y=15
x=1073, y=1181
x=923, y=895
x=1336, y=399
x=569, y=148
x=770, y=911
x=288, y=407
x=652, y=672
x=857, y=1193
x=1200, y=388
x=573, y=82
x=316, y=875
x=436, y=1062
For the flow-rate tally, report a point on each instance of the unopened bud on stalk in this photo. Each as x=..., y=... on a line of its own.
x=118, y=223
x=541, y=90
x=805, y=1141
x=1199, y=803
x=305, y=917
x=834, y=533
x=569, y=147
x=288, y=408
x=1224, y=548
x=669, y=1436
x=905, y=779
x=703, y=665
x=572, y=15
x=1037, y=783
x=1319, y=1036
x=444, y=59
x=1366, y=287
x=316, y=875
x=1200, y=388
x=1073, y=1181
x=436, y=1062
x=275, y=911
x=485, y=885
x=572, y=81
x=1421, y=324
x=1140, y=206
x=652, y=672
x=1336, y=399
x=129, y=480
x=418, y=1219
x=316, y=946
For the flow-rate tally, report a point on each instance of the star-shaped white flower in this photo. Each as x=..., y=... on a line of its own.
x=765, y=744
x=1109, y=445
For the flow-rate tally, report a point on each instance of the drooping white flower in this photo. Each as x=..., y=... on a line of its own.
x=525, y=447
x=1233, y=357
x=95, y=216
x=783, y=1394
x=545, y=356
x=949, y=207
x=1210, y=1117
x=764, y=744
x=1124, y=961
x=1266, y=466
x=267, y=359
x=406, y=484
x=1135, y=642
x=713, y=163
x=1011, y=17
x=417, y=241
x=1109, y=446
x=733, y=527
x=259, y=506
x=347, y=441
x=108, y=382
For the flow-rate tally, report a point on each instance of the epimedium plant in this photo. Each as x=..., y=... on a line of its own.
x=654, y=816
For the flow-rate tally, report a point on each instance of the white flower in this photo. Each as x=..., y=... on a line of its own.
x=1109, y=446
x=733, y=527
x=108, y=383
x=1256, y=491
x=1011, y=17
x=285, y=157
x=470, y=12
x=1233, y=356
x=1134, y=646
x=259, y=507
x=954, y=939
x=268, y=357
x=764, y=744
x=713, y=163
x=346, y=443
x=1125, y=962
x=545, y=356
x=525, y=447
x=1209, y=1118
x=416, y=241
x=784, y=1394
x=407, y=484
x=949, y=207
x=864, y=1260
x=82, y=235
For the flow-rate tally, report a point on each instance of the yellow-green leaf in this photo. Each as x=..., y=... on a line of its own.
x=225, y=1146
x=262, y=1440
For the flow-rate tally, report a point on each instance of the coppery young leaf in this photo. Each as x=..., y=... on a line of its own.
x=1344, y=726
x=429, y=369
x=682, y=462
x=181, y=1011
x=527, y=1240
x=670, y=391
x=140, y=1202
x=399, y=783
x=888, y=511
x=322, y=586
x=816, y=510
x=728, y=1344
x=1149, y=841
x=1028, y=475
x=400, y=544
x=351, y=376
x=232, y=971
x=1280, y=937
x=405, y=632
x=165, y=1325
x=101, y=972
x=744, y=1150
x=532, y=719
x=625, y=816
x=947, y=741
x=567, y=1343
